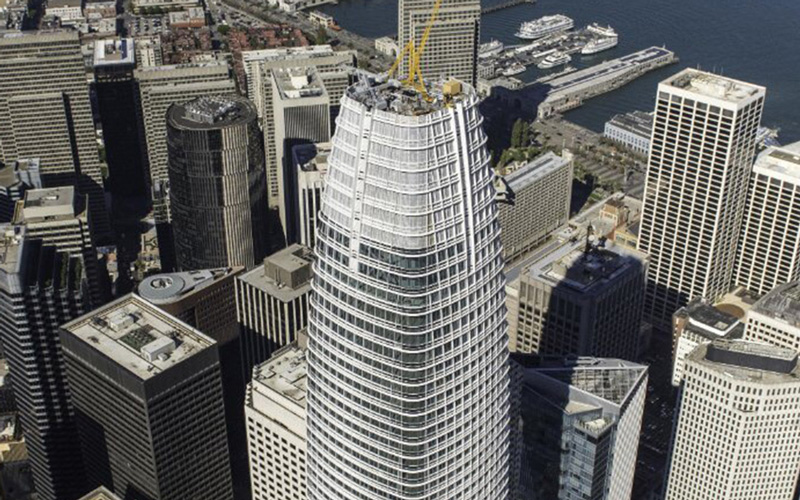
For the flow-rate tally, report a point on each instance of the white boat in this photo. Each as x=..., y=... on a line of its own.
x=547, y=25
x=599, y=45
x=490, y=49
x=553, y=60
x=605, y=31
x=514, y=69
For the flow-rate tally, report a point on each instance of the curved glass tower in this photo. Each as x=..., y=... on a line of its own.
x=408, y=378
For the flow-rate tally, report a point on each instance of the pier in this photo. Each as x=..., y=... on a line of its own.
x=505, y=5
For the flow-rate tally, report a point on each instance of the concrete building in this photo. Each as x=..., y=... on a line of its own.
x=775, y=318
x=580, y=423
x=68, y=11
x=632, y=130
x=15, y=179
x=275, y=410
x=101, y=493
x=164, y=5
x=59, y=217
x=167, y=438
x=147, y=51
x=46, y=113
x=272, y=303
x=580, y=301
x=408, y=244
x=193, y=17
x=534, y=202
x=311, y=166
x=41, y=288
x=299, y=111
x=387, y=45
x=321, y=19
x=114, y=62
x=699, y=323
x=696, y=187
x=216, y=174
x=452, y=47
x=769, y=245
x=736, y=433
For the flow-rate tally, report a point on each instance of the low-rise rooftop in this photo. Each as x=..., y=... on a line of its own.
x=637, y=122
x=114, y=51
x=139, y=336
x=536, y=169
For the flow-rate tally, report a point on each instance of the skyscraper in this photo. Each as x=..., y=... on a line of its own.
x=408, y=382
x=46, y=113
x=736, y=433
x=41, y=288
x=148, y=401
x=769, y=246
x=696, y=186
x=216, y=173
x=452, y=48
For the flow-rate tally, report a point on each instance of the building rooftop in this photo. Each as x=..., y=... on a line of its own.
x=285, y=374
x=63, y=3
x=285, y=275
x=167, y=288
x=21, y=171
x=48, y=204
x=101, y=493
x=312, y=157
x=11, y=248
x=637, y=122
x=781, y=303
x=212, y=112
x=395, y=97
x=536, y=169
x=709, y=322
x=714, y=86
x=298, y=83
x=780, y=161
x=288, y=53
x=139, y=336
x=750, y=360
x=114, y=51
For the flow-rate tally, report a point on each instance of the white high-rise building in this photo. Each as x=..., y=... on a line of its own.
x=775, y=318
x=769, y=247
x=408, y=392
x=699, y=167
x=736, y=435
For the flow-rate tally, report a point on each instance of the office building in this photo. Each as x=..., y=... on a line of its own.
x=272, y=303
x=632, y=130
x=311, y=165
x=275, y=409
x=775, y=318
x=101, y=493
x=736, y=433
x=408, y=244
x=769, y=245
x=15, y=179
x=580, y=299
x=452, y=47
x=695, y=188
x=46, y=113
x=114, y=62
x=580, y=422
x=216, y=173
x=166, y=438
x=41, y=288
x=699, y=323
x=534, y=202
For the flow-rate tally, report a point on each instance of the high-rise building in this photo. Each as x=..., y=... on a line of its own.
x=535, y=199
x=769, y=246
x=46, y=113
x=165, y=438
x=408, y=382
x=114, y=62
x=452, y=47
x=15, y=179
x=736, y=433
x=272, y=303
x=311, y=165
x=775, y=318
x=101, y=493
x=275, y=409
x=216, y=173
x=580, y=299
x=59, y=217
x=580, y=421
x=696, y=186
x=41, y=288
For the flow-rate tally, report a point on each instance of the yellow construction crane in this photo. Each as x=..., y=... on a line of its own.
x=414, y=78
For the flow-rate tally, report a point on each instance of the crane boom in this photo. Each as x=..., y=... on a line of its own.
x=414, y=52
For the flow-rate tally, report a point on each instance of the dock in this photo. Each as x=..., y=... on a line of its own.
x=571, y=90
x=505, y=5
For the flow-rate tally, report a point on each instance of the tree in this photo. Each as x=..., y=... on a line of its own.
x=322, y=36
x=516, y=134
x=223, y=29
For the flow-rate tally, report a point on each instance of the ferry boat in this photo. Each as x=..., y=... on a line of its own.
x=604, y=31
x=547, y=25
x=514, y=69
x=599, y=45
x=490, y=49
x=553, y=60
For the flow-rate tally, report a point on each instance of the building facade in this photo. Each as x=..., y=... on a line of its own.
x=775, y=318
x=216, y=173
x=163, y=379
x=632, y=130
x=736, y=433
x=15, y=179
x=311, y=166
x=452, y=47
x=695, y=188
x=46, y=113
x=534, y=202
x=769, y=245
x=407, y=334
